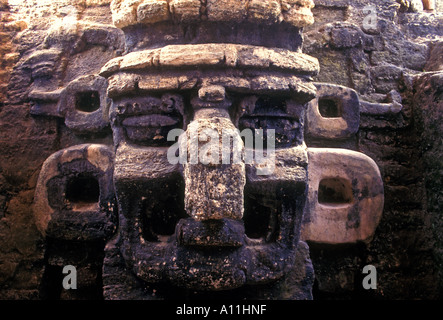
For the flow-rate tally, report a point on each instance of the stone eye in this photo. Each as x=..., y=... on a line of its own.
x=87, y=101
x=265, y=113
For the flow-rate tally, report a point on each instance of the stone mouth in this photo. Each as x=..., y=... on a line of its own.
x=216, y=276
x=206, y=268
x=163, y=244
x=213, y=255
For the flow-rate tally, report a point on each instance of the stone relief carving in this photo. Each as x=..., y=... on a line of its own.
x=190, y=229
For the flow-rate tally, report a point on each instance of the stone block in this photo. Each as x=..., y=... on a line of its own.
x=84, y=105
x=264, y=11
x=227, y=10
x=152, y=11
x=185, y=10
x=386, y=77
x=74, y=196
x=435, y=60
x=120, y=84
x=158, y=83
x=260, y=57
x=192, y=55
x=343, y=36
x=212, y=93
x=139, y=60
x=334, y=113
x=216, y=233
x=214, y=54
x=297, y=12
x=93, y=3
x=345, y=197
x=124, y=12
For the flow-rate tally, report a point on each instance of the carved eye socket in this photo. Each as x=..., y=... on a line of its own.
x=147, y=120
x=264, y=113
x=88, y=101
x=329, y=108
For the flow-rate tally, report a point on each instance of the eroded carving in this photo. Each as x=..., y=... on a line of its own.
x=219, y=226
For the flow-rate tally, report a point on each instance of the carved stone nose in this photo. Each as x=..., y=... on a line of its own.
x=215, y=171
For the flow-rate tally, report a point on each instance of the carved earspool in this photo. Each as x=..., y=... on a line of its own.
x=189, y=228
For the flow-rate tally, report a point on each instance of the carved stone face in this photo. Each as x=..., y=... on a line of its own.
x=208, y=226
x=215, y=187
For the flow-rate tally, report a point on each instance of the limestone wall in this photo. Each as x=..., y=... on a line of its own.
x=384, y=62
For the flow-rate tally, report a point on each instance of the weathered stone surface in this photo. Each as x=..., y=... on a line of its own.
x=297, y=12
x=381, y=62
x=122, y=84
x=124, y=13
x=264, y=11
x=223, y=196
x=139, y=158
x=61, y=209
x=345, y=197
x=435, y=60
x=226, y=10
x=334, y=114
x=185, y=10
x=9, y=55
x=412, y=5
x=211, y=233
x=131, y=12
x=429, y=117
x=84, y=105
x=346, y=36
x=151, y=11
x=228, y=55
x=386, y=77
x=183, y=56
x=380, y=108
x=212, y=93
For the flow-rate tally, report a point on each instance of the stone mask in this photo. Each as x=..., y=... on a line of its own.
x=207, y=226
x=228, y=222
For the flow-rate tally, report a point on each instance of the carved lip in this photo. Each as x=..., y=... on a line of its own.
x=206, y=279
x=212, y=268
